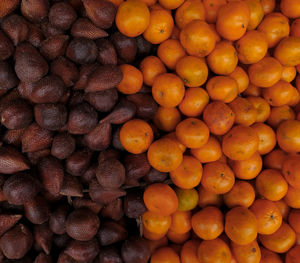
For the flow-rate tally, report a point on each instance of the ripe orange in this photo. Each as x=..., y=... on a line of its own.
x=294, y=220
x=249, y=253
x=292, y=197
x=151, y=67
x=288, y=135
x=262, y=107
x=290, y=8
x=280, y=114
x=245, y=113
x=275, y=159
x=189, y=251
x=181, y=222
x=187, y=199
x=291, y=170
x=211, y=9
x=166, y=119
x=207, y=198
x=268, y=256
x=156, y=223
x=287, y=51
x=241, y=77
x=165, y=255
x=132, y=80
x=266, y=137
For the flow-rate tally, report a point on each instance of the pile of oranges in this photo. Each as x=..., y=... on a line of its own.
x=227, y=80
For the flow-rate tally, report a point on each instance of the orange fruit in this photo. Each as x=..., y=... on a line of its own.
x=178, y=238
x=280, y=114
x=268, y=216
x=284, y=208
x=150, y=236
x=271, y=184
x=232, y=20
x=132, y=80
x=294, y=220
x=292, y=256
x=181, y=222
x=132, y=18
x=189, y=251
x=266, y=138
x=172, y=137
x=166, y=119
x=291, y=171
x=292, y=197
x=207, y=198
x=280, y=241
x=249, y=253
x=295, y=28
x=208, y=223
x=262, y=107
x=211, y=9
x=256, y=13
x=136, y=136
x=288, y=135
x=151, y=67
x=288, y=50
x=164, y=155
x=252, y=90
x=160, y=26
x=290, y=8
x=241, y=77
x=155, y=244
x=192, y=70
x=268, y=256
x=168, y=90
x=275, y=159
x=153, y=196
x=241, y=225
x=222, y=88
x=245, y=113
x=156, y=223
x=268, y=6
x=217, y=177
x=165, y=255
x=197, y=38
x=187, y=199
x=288, y=73
x=192, y=132
x=170, y=4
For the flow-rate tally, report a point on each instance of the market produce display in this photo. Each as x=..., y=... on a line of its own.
x=150, y=131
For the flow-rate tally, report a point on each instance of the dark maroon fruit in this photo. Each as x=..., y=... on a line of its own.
x=62, y=15
x=82, y=51
x=82, y=224
x=54, y=46
x=49, y=30
x=51, y=116
x=6, y=46
x=8, y=78
x=61, y=241
x=78, y=162
x=146, y=106
x=71, y=186
x=111, y=173
x=35, y=35
x=106, y=52
x=20, y=188
x=16, y=242
x=155, y=176
x=37, y=210
x=30, y=66
x=43, y=237
x=102, y=101
x=84, y=75
x=134, y=205
x=43, y=258
x=63, y=145
x=12, y=161
x=126, y=46
x=57, y=221
x=99, y=138
x=135, y=250
x=103, y=78
x=82, y=119
x=108, y=154
x=109, y=255
x=79, y=202
x=7, y=221
x=83, y=27
x=113, y=210
x=136, y=165
x=143, y=46
x=116, y=142
x=13, y=137
x=35, y=157
x=110, y=233
x=35, y=10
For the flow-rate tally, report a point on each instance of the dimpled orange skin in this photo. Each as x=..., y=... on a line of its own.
x=240, y=143
x=266, y=136
x=288, y=51
x=188, y=252
x=262, y=107
x=165, y=255
x=256, y=13
x=156, y=223
x=164, y=155
x=288, y=136
x=197, y=38
x=249, y=253
x=132, y=18
x=292, y=197
x=241, y=78
x=151, y=67
x=280, y=241
x=232, y=20
x=265, y=73
x=290, y=8
x=291, y=171
x=268, y=256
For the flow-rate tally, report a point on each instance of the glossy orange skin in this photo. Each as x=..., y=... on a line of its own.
x=222, y=88
x=172, y=137
x=245, y=113
x=151, y=67
x=188, y=11
x=149, y=2
x=266, y=137
x=262, y=107
x=252, y=47
x=289, y=73
x=189, y=173
x=164, y=155
x=232, y=20
x=271, y=185
x=249, y=253
x=189, y=250
x=240, y=143
x=136, y=136
x=197, y=38
x=192, y=70
x=292, y=197
x=275, y=159
x=247, y=169
x=268, y=256
x=160, y=26
x=252, y=90
x=223, y=59
x=170, y=51
x=295, y=98
x=165, y=255
x=295, y=28
x=166, y=119
x=212, y=8
x=268, y=6
x=150, y=236
x=155, y=193
x=208, y=223
x=178, y=238
x=219, y=117
x=207, y=198
x=268, y=216
x=284, y=208
x=192, y=132
x=288, y=135
x=256, y=13
x=276, y=27
x=132, y=18
x=217, y=177
x=216, y=251
x=279, y=94
x=280, y=114
x=241, y=78
x=181, y=222
x=241, y=225
x=194, y=102
x=170, y=4
x=168, y=90
x=265, y=73
x=241, y=194
x=132, y=80
x=209, y=152
x=280, y=241
x=291, y=170
x=156, y=223
x=287, y=51
x=214, y=30
x=290, y=8
x=294, y=220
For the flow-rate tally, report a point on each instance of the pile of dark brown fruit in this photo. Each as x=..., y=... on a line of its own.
x=68, y=191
